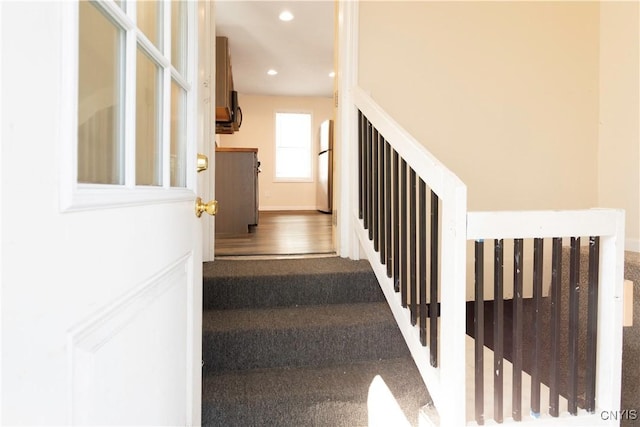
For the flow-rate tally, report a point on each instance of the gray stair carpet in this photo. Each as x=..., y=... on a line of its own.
x=298, y=342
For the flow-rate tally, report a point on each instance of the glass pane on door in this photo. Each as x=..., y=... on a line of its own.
x=178, y=34
x=178, y=136
x=148, y=141
x=149, y=17
x=100, y=98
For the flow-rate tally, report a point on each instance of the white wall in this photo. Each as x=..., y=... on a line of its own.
x=504, y=93
x=258, y=130
x=535, y=105
x=619, y=146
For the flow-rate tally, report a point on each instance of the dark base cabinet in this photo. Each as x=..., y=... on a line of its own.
x=236, y=189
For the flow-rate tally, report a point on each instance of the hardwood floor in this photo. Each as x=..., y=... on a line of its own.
x=281, y=233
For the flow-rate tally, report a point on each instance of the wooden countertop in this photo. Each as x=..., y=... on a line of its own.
x=236, y=149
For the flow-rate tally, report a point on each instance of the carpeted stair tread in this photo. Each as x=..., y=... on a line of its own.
x=301, y=317
x=334, y=395
x=230, y=284
x=299, y=336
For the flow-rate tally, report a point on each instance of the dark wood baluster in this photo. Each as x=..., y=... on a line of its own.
x=396, y=222
x=388, y=202
x=478, y=324
x=574, y=299
x=413, y=306
x=498, y=330
x=592, y=322
x=361, y=139
x=367, y=175
x=422, y=267
x=375, y=209
x=404, y=277
x=382, y=201
x=538, y=258
x=433, y=282
x=516, y=401
x=556, y=306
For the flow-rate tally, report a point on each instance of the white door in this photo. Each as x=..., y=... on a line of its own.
x=101, y=250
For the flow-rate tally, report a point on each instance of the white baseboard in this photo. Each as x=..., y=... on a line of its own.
x=287, y=208
x=632, y=245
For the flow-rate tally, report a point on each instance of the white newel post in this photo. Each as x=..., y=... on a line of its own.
x=609, y=350
x=452, y=409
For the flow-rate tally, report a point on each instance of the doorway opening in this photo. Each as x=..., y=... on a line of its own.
x=294, y=75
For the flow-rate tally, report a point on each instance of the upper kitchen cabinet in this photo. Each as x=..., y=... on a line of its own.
x=228, y=112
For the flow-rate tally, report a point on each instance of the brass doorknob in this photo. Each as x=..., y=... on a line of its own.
x=211, y=208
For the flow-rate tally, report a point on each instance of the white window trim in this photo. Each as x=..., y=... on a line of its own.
x=312, y=154
x=76, y=196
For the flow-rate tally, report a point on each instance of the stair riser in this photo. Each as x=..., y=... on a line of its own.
x=297, y=413
x=265, y=413
x=262, y=292
x=320, y=347
x=271, y=412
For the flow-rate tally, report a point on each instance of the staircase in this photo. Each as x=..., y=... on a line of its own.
x=298, y=342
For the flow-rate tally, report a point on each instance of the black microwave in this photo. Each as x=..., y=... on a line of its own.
x=232, y=125
x=236, y=111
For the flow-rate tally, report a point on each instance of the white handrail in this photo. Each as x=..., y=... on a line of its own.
x=426, y=165
x=530, y=224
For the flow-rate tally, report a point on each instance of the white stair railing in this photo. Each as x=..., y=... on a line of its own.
x=600, y=324
x=420, y=258
x=442, y=368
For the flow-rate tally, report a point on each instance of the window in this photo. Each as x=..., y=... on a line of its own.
x=293, y=147
x=100, y=98
x=155, y=65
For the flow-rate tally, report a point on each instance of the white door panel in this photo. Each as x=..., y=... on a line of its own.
x=101, y=307
x=145, y=322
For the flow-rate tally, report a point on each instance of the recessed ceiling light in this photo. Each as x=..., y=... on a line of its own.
x=272, y=72
x=332, y=74
x=286, y=16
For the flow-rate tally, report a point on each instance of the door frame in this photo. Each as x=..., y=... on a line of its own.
x=347, y=245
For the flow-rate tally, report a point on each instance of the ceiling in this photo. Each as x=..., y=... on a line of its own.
x=301, y=50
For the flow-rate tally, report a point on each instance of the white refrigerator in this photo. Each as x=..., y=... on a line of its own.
x=324, y=183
